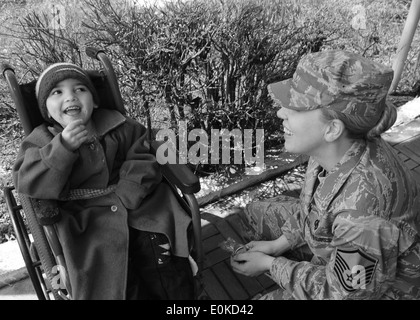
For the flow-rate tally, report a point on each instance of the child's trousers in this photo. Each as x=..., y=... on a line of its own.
x=153, y=272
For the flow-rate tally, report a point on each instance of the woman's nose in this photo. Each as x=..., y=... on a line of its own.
x=281, y=113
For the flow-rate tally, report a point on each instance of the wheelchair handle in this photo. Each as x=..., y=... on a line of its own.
x=93, y=52
x=6, y=67
x=100, y=55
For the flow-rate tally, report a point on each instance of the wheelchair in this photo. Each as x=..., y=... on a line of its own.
x=40, y=247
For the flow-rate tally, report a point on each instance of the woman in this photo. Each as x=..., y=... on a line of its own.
x=354, y=232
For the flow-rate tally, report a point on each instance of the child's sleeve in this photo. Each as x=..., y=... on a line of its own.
x=42, y=167
x=140, y=172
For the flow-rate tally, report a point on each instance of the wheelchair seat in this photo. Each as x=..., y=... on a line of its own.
x=43, y=255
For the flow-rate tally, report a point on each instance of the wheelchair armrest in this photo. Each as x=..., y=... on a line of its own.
x=178, y=174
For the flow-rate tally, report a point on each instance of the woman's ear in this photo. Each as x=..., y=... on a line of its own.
x=335, y=129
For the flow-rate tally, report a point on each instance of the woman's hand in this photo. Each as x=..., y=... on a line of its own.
x=267, y=247
x=273, y=248
x=251, y=263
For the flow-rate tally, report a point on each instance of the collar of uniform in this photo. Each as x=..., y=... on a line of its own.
x=331, y=185
x=311, y=177
x=106, y=120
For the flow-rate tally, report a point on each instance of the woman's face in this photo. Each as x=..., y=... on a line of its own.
x=304, y=131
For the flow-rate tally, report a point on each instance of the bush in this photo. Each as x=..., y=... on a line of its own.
x=206, y=62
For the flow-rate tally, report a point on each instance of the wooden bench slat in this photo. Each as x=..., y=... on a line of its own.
x=251, y=285
x=212, y=243
x=208, y=231
x=226, y=276
x=409, y=150
x=212, y=286
x=215, y=257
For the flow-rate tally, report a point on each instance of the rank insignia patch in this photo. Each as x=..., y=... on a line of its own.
x=354, y=269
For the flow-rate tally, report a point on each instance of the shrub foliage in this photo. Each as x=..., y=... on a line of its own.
x=206, y=62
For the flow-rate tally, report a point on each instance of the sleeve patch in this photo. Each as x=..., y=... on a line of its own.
x=354, y=269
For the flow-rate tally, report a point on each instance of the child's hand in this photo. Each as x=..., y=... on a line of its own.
x=74, y=135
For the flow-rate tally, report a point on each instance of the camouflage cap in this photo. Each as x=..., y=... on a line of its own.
x=338, y=80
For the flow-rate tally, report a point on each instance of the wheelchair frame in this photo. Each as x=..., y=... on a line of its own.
x=43, y=252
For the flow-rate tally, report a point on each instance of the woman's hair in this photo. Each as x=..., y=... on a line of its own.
x=364, y=128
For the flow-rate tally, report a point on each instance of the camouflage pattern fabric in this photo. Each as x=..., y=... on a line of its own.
x=338, y=80
x=361, y=223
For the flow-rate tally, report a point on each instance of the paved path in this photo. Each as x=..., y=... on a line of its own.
x=14, y=281
x=21, y=290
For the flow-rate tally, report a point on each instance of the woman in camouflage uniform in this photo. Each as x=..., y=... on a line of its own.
x=354, y=232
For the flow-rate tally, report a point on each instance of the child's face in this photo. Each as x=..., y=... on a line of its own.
x=70, y=100
x=303, y=131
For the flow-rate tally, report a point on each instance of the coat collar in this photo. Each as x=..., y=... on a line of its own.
x=334, y=180
x=106, y=120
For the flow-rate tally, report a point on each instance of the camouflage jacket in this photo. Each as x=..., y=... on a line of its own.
x=362, y=222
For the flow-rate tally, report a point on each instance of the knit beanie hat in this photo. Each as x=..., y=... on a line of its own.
x=55, y=73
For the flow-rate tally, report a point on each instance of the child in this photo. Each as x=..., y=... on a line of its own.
x=354, y=232
x=119, y=222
